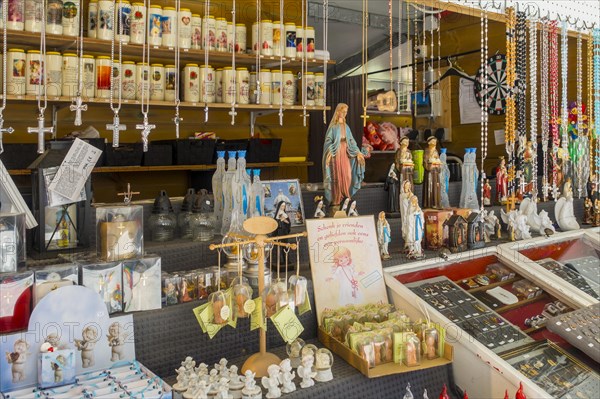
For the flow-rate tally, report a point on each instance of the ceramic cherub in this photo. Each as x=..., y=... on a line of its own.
x=54, y=340
x=192, y=385
x=86, y=345
x=305, y=371
x=182, y=379
x=221, y=367
x=287, y=376
x=563, y=210
x=202, y=370
x=201, y=390
x=250, y=389
x=223, y=389
x=116, y=341
x=235, y=381
x=188, y=363
x=271, y=383
x=17, y=359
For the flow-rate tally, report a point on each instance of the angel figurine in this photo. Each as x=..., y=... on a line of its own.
x=343, y=162
x=305, y=371
x=563, y=210
x=415, y=229
x=223, y=389
x=320, y=205
x=384, y=235
x=271, y=383
x=287, y=376
x=200, y=391
x=251, y=391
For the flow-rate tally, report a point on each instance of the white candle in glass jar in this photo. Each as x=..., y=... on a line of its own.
x=142, y=79
x=88, y=76
x=33, y=15
x=207, y=84
x=155, y=13
x=170, y=82
x=299, y=42
x=71, y=15
x=157, y=82
x=123, y=32
x=15, y=16
x=128, y=80
x=105, y=24
x=54, y=70
x=253, y=92
x=221, y=35
x=103, y=76
x=228, y=85
x=137, y=30
x=191, y=83
x=276, y=96
x=169, y=27
x=209, y=25
x=185, y=28
x=16, y=61
x=310, y=88
x=256, y=37
x=92, y=21
x=34, y=73
x=266, y=37
x=230, y=32
x=240, y=38
x=218, y=85
x=289, y=89
x=54, y=14
x=319, y=89
x=196, y=31
x=70, y=76
x=265, y=86
x=116, y=78
x=309, y=38
x=278, y=29
x=242, y=84
x=290, y=40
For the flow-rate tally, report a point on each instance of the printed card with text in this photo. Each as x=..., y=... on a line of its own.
x=345, y=263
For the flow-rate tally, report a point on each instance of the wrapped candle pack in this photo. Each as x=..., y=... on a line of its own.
x=142, y=284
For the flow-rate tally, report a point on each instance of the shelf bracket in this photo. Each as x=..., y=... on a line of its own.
x=256, y=114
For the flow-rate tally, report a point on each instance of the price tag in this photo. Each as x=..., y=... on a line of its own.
x=567, y=329
x=225, y=312
x=558, y=323
x=249, y=306
x=579, y=337
x=591, y=345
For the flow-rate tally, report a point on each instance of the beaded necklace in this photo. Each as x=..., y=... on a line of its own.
x=484, y=113
x=564, y=119
x=533, y=54
x=590, y=98
x=544, y=110
x=597, y=99
x=509, y=131
x=581, y=140
x=553, y=98
x=521, y=87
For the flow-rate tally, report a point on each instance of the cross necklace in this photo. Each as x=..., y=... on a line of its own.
x=178, y=119
x=116, y=126
x=40, y=129
x=3, y=129
x=78, y=106
x=145, y=127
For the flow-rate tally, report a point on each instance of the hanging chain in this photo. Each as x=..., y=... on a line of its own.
x=553, y=99
x=510, y=100
x=9, y=129
x=484, y=113
x=145, y=127
x=232, y=112
x=325, y=55
x=304, y=61
x=177, y=119
x=206, y=43
x=281, y=54
x=390, y=11
x=78, y=105
x=564, y=123
x=365, y=41
x=590, y=100
x=597, y=102
x=533, y=102
x=581, y=147
x=545, y=118
x=116, y=16
x=521, y=103
x=259, y=47
x=43, y=66
x=399, y=74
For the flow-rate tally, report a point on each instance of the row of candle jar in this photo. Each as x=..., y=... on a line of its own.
x=204, y=84
x=181, y=287
x=62, y=17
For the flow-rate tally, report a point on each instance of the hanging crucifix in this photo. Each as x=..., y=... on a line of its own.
x=40, y=130
x=3, y=130
x=116, y=126
x=78, y=106
x=145, y=128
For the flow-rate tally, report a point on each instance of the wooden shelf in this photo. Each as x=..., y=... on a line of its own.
x=121, y=169
x=164, y=55
x=170, y=104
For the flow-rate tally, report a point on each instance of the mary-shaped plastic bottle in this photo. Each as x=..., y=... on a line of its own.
x=217, y=188
x=445, y=178
x=228, y=178
x=241, y=188
x=468, y=194
x=257, y=202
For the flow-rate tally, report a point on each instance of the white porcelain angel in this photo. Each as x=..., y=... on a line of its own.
x=182, y=379
x=518, y=229
x=271, y=383
x=189, y=363
x=201, y=390
x=221, y=367
x=287, y=376
x=563, y=210
x=193, y=382
x=250, y=389
x=305, y=371
x=202, y=371
x=223, y=389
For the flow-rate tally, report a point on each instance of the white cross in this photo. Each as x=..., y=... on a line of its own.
x=233, y=114
x=78, y=107
x=206, y=114
x=304, y=116
x=3, y=130
x=40, y=130
x=280, y=116
x=8, y=297
x=177, y=119
x=116, y=127
x=145, y=130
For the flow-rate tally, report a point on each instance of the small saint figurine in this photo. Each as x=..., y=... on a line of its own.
x=352, y=212
x=405, y=197
x=251, y=391
x=416, y=231
x=392, y=186
x=305, y=371
x=404, y=162
x=384, y=236
x=319, y=207
x=287, y=376
x=343, y=162
x=589, y=211
x=432, y=189
x=501, y=182
x=597, y=213
x=445, y=178
x=271, y=383
x=487, y=193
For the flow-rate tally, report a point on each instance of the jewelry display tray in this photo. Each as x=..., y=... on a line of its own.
x=584, y=338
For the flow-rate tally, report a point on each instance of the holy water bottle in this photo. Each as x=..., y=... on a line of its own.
x=241, y=190
x=217, y=188
x=257, y=201
x=228, y=179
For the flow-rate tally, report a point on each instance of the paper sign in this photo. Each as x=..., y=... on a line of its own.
x=305, y=306
x=55, y=199
x=257, y=318
x=499, y=137
x=470, y=110
x=75, y=169
x=287, y=324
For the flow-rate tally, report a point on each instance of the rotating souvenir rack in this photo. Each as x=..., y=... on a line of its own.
x=498, y=308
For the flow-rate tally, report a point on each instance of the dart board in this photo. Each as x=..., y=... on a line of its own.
x=497, y=89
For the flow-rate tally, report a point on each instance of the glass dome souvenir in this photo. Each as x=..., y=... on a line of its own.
x=250, y=254
x=323, y=363
x=294, y=351
x=203, y=219
x=242, y=295
x=162, y=223
x=309, y=349
x=298, y=288
x=185, y=215
x=220, y=306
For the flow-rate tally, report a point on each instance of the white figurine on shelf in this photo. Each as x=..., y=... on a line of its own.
x=563, y=210
x=320, y=207
x=408, y=394
x=405, y=195
x=201, y=390
x=182, y=380
x=384, y=236
x=287, y=376
x=425, y=396
x=323, y=363
x=221, y=367
x=305, y=371
x=540, y=223
x=223, y=389
x=415, y=229
x=213, y=376
x=235, y=382
x=491, y=225
x=250, y=391
x=518, y=229
x=271, y=383
x=193, y=382
x=294, y=352
x=189, y=363
x=202, y=371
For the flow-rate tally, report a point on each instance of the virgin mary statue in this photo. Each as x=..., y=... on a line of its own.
x=343, y=163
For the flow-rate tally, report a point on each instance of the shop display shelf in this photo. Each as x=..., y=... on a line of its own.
x=485, y=287
x=522, y=303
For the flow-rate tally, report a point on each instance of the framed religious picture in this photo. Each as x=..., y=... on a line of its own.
x=345, y=263
x=287, y=191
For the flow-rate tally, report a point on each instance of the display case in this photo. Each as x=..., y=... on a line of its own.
x=12, y=241
x=490, y=306
x=569, y=261
x=120, y=232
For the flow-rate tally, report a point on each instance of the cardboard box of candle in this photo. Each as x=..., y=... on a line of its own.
x=355, y=319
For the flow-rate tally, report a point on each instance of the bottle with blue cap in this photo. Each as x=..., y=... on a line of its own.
x=228, y=204
x=444, y=178
x=217, y=189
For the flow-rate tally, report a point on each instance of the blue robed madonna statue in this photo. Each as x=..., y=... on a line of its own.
x=343, y=162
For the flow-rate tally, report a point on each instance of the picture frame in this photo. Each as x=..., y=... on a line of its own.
x=289, y=191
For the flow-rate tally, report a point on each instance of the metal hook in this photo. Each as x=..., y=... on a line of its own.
x=572, y=23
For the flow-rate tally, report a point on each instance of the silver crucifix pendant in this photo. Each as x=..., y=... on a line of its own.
x=233, y=114
x=177, y=119
x=116, y=128
x=145, y=128
x=78, y=107
x=3, y=130
x=40, y=130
